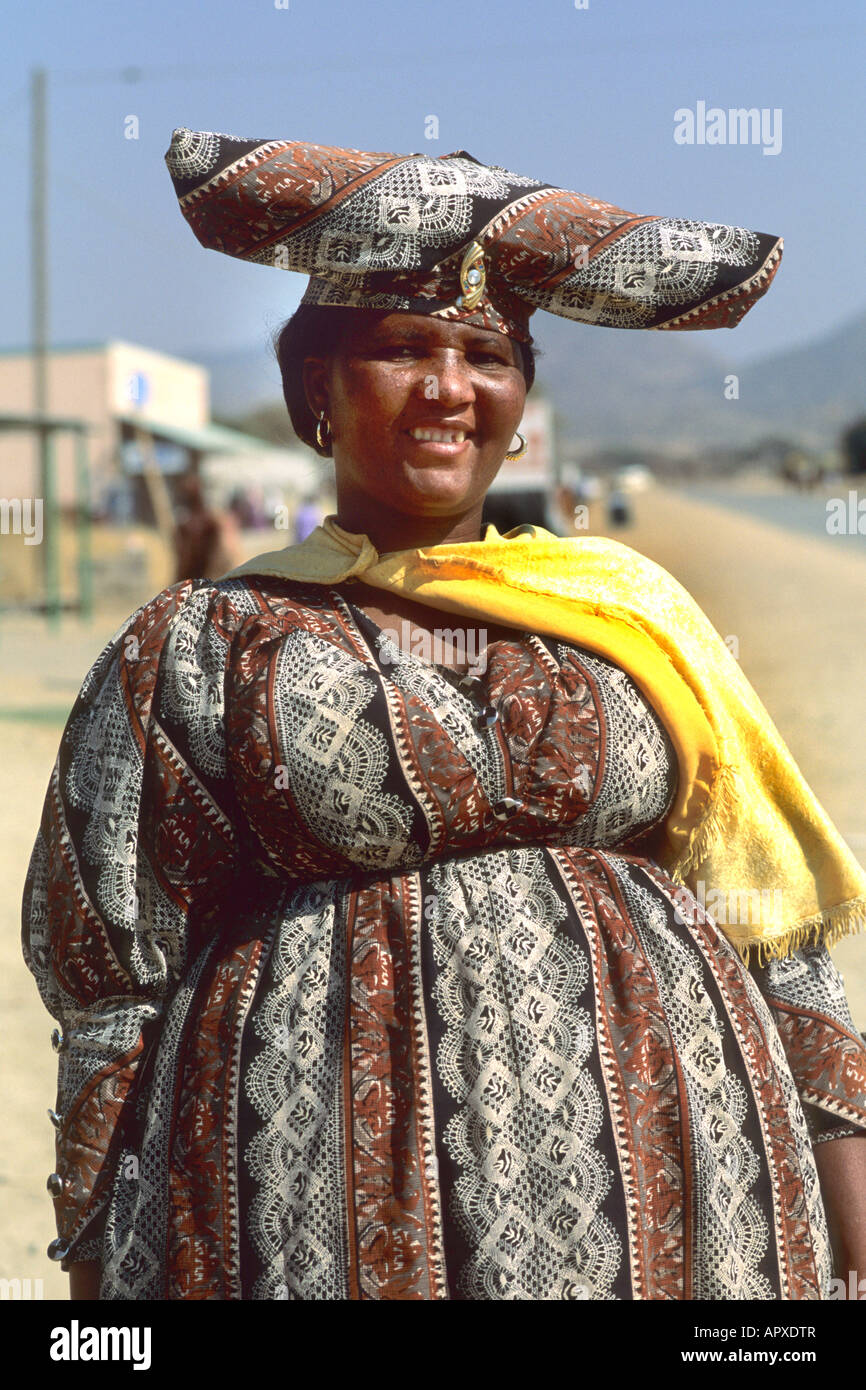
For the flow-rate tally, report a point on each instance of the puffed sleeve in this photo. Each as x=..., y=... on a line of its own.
x=136, y=842
x=825, y=1052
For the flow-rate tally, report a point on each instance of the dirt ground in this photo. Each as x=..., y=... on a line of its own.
x=795, y=607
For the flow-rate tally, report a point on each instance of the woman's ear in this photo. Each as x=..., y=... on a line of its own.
x=315, y=374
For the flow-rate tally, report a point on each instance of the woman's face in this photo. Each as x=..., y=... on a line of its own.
x=421, y=412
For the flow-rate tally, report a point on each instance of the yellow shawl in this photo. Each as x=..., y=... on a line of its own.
x=745, y=834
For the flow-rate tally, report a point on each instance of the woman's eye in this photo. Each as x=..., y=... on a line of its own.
x=412, y=352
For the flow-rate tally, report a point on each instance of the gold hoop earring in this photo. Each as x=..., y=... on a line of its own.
x=323, y=437
x=518, y=453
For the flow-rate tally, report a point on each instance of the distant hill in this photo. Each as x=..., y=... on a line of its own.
x=647, y=390
x=821, y=386
x=242, y=380
x=609, y=386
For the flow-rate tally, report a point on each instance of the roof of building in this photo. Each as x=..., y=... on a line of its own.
x=206, y=439
x=62, y=349
x=32, y=421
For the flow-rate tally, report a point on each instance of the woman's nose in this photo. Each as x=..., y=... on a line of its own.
x=449, y=379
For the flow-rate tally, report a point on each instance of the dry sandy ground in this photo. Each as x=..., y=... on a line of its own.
x=796, y=606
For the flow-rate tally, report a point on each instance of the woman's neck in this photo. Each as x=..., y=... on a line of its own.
x=389, y=530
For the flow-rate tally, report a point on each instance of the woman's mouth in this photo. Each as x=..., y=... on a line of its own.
x=450, y=439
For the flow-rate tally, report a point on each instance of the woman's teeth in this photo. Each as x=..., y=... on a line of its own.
x=438, y=436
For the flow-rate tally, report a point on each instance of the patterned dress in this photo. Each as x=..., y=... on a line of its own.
x=371, y=987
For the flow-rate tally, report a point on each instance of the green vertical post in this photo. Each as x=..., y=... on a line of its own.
x=39, y=334
x=51, y=528
x=82, y=513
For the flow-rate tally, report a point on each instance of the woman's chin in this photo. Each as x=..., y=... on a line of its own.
x=438, y=486
x=436, y=504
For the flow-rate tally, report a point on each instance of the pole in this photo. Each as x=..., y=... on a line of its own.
x=50, y=510
x=85, y=565
x=39, y=335
x=39, y=259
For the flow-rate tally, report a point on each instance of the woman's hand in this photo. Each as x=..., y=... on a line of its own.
x=84, y=1278
x=842, y=1172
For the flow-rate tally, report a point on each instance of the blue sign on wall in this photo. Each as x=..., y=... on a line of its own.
x=138, y=388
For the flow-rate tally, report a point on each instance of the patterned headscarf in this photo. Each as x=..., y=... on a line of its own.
x=459, y=239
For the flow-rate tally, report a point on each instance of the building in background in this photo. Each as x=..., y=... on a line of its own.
x=124, y=427
x=523, y=489
x=147, y=413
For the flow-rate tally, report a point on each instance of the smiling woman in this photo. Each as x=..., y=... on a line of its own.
x=381, y=979
x=419, y=413
x=315, y=332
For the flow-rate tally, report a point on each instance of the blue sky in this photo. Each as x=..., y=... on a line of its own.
x=584, y=98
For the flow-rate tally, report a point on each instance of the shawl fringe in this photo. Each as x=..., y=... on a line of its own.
x=823, y=929
x=717, y=819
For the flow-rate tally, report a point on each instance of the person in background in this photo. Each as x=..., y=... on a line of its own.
x=308, y=516
x=206, y=540
x=618, y=510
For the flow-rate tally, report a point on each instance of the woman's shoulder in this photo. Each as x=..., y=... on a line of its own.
x=136, y=649
x=611, y=574
x=223, y=605
x=223, y=601
x=170, y=658
x=147, y=627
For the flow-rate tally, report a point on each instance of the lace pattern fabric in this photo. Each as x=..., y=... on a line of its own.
x=365, y=996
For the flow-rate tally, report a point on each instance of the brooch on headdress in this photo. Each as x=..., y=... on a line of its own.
x=473, y=278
